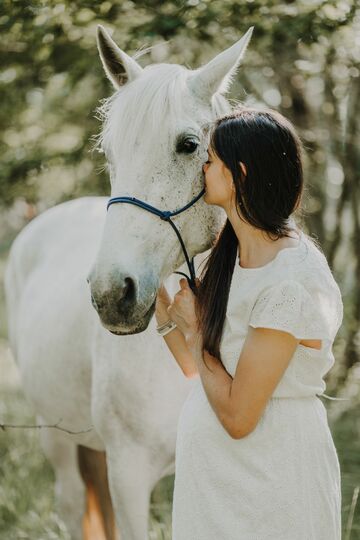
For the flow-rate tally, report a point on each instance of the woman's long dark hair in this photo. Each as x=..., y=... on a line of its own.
x=267, y=143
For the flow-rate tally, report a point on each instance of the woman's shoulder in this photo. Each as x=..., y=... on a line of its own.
x=303, y=267
x=305, y=263
x=312, y=269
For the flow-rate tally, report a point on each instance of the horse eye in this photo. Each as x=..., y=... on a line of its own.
x=187, y=146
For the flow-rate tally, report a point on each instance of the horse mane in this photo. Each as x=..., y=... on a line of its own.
x=158, y=95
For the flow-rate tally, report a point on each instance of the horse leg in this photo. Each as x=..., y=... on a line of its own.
x=131, y=483
x=99, y=519
x=69, y=487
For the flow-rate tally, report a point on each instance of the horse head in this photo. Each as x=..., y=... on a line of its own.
x=154, y=136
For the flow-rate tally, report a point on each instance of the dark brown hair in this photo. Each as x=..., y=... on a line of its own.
x=267, y=143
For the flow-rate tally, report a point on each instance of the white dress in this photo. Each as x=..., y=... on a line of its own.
x=282, y=481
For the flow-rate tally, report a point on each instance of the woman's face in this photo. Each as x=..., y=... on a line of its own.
x=219, y=184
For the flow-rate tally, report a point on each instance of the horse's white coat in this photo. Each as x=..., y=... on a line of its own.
x=128, y=388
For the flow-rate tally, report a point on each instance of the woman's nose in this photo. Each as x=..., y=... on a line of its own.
x=204, y=168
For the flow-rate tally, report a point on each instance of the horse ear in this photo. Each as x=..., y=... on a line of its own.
x=216, y=75
x=119, y=66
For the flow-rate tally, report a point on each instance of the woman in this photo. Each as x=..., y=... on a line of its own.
x=255, y=458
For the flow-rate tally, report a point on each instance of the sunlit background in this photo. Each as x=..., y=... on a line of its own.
x=304, y=60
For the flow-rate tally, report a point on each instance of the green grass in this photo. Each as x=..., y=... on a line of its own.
x=3, y=322
x=345, y=433
x=26, y=478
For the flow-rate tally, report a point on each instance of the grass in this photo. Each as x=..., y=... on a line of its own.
x=347, y=441
x=26, y=478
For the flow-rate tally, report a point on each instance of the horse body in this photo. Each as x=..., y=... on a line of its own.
x=76, y=373
x=55, y=344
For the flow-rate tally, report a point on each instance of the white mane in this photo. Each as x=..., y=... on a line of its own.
x=156, y=100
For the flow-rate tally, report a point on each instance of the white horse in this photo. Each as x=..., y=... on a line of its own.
x=129, y=389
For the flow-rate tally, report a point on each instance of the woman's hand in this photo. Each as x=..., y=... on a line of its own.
x=182, y=310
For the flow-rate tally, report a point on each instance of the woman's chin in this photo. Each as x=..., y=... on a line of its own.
x=207, y=199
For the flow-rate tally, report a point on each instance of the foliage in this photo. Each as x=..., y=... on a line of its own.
x=51, y=78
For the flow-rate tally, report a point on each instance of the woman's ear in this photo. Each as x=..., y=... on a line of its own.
x=243, y=168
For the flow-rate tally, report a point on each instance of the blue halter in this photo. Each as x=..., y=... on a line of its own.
x=165, y=216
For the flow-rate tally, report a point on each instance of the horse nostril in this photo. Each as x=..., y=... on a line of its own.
x=119, y=298
x=128, y=292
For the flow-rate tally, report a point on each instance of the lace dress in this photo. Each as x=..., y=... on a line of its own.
x=282, y=481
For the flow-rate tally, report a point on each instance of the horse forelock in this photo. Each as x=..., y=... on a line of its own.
x=155, y=104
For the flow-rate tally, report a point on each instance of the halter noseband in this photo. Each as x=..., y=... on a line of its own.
x=165, y=216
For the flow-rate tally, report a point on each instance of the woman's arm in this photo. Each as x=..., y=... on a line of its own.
x=263, y=361
x=240, y=401
x=216, y=381
x=176, y=343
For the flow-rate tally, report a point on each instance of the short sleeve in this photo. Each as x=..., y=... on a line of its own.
x=288, y=306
